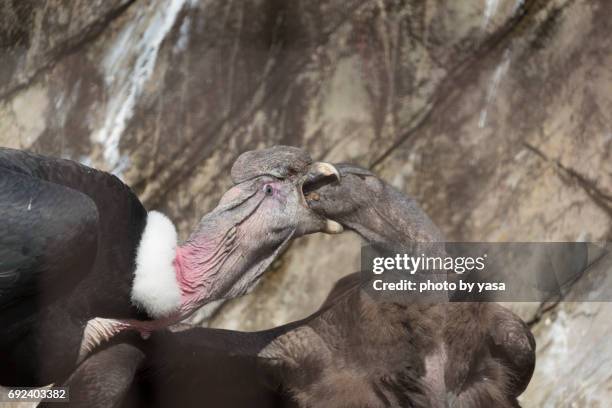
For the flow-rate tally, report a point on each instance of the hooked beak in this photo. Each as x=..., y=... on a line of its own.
x=321, y=174
x=324, y=169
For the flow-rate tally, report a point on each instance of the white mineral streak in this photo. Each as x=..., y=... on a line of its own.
x=127, y=66
x=499, y=73
x=181, y=43
x=489, y=12
x=517, y=5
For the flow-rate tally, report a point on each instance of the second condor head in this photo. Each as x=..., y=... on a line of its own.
x=364, y=203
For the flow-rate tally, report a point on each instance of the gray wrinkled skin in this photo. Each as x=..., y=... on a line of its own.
x=255, y=219
x=282, y=162
x=373, y=208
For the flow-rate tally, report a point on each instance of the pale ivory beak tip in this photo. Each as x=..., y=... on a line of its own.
x=332, y=227
x=326, y=169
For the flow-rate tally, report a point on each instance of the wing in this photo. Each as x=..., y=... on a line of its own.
x=514, y=345
x=203, y=367
x=81, y=205
x=104, y=378
x=48, y=238
x=342, y=286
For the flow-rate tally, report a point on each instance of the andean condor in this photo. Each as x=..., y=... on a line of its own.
x=356, y=351
x=81, y=259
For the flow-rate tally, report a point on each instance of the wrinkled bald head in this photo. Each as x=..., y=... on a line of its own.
x=378, y=212
x=258, y=216
x=281, y=162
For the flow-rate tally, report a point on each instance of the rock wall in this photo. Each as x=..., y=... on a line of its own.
x=495, y=115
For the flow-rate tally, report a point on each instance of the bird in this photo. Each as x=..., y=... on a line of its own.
x=483, y=354
x=82, y=260
x=355, y=351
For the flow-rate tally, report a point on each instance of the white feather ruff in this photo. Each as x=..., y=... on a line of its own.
x=155, y=287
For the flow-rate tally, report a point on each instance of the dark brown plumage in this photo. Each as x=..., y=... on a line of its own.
x=484, y=355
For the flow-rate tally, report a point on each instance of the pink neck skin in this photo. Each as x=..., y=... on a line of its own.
x=194, y=265
x=192, y=281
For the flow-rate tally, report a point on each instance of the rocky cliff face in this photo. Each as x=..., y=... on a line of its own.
x=495, y=115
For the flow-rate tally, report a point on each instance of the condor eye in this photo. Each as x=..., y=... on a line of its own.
x=268, y=189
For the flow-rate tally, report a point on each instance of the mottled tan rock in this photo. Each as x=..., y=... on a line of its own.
x=573, y=351
x=35, y=35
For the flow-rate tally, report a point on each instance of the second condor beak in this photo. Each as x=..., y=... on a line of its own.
x=324, y=169
x=321, y=174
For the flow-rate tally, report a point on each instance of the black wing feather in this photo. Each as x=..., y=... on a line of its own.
x=48, y=238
